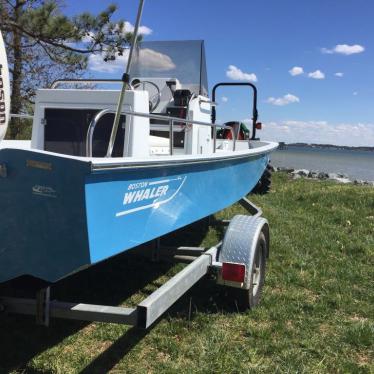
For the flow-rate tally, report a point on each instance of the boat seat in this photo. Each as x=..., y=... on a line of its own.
x=182, y=97
x=178, y=109
x=180, y=105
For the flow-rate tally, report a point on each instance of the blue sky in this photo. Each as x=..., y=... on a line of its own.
x=264, y=40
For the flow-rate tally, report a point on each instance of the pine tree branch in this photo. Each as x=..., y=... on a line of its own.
x=50, y=41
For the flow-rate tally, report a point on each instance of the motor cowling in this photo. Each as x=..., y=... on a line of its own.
x=4, y=90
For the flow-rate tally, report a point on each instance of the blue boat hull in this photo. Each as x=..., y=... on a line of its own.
x=58, y=215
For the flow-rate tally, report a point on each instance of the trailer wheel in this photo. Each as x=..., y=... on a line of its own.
x=248, y=299
x=246, y=242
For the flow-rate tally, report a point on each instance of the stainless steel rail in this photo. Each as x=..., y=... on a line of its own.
x=25, y=116
x=91, y=129
x=170, y=120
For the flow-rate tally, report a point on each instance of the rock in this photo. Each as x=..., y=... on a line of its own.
x=296, y=176
x=332, y=176
x=301, y=172
x=287, y=170
x=340, y=175
x=322, y=175
x=313, y=174
x=343, y=180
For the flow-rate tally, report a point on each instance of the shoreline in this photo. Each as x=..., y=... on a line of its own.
x=321, y=175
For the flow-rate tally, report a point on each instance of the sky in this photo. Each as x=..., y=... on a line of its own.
x=312, y=60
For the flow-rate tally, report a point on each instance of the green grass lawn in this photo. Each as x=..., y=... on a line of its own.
x=316, y=315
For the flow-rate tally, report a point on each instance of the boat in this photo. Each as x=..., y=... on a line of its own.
x=85, y=189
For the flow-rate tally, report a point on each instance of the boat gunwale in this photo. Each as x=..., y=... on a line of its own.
x=176, y=163
x=179, y=160
x=120, y=163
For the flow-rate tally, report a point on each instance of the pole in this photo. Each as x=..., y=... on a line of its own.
x=126, y=81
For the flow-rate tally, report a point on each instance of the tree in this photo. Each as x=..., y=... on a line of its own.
x=43, y=45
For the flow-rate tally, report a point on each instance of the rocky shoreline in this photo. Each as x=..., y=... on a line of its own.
x=320, y=175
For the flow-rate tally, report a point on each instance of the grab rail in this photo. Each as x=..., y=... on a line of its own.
x=91, y=129
x=171, y=120
x=25, y=116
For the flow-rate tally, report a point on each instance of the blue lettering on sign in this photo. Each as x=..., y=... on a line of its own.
x=146, y=195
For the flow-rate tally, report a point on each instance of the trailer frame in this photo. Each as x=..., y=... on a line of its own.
x=147, y=311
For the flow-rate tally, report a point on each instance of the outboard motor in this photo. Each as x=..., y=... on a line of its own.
x=4, y=90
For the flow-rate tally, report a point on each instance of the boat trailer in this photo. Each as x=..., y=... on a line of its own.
x=239, y=262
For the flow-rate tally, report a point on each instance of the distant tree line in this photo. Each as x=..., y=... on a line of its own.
x=43, y=45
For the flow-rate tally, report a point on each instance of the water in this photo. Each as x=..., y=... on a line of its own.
x=355, y=164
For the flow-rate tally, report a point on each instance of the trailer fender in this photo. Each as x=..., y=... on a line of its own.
x=239, y=246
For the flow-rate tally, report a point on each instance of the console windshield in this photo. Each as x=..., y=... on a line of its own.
x=183, y=60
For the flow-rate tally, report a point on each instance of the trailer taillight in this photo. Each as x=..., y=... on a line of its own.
x=233, y=272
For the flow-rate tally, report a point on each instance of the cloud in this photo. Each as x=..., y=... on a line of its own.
x=285, y=100
x=96, y=63
x=155, y=60
x=316, y=75
x=319, y=132
x=296, y=70
x=338, y=74
x=148, y=59
x=143, y=30
x=344, y=49
x=238, y=75
x=224, y=99
x=88, y=38
x=129, y=27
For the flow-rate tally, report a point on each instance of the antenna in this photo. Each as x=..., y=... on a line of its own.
x=126, y=81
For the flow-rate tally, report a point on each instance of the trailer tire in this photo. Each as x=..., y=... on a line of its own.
x=248, y=299
x=246, y=242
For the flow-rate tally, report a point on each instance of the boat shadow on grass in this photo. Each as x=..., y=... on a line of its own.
x=111, y=282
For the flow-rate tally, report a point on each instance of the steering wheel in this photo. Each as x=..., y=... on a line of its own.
x=154, y=97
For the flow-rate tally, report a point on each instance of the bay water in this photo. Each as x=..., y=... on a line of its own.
x=354, y=163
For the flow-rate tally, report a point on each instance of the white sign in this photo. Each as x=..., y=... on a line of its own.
x=4, y=90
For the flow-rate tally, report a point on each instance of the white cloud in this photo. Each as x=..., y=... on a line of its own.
x=316, y=75
x=344, y=49
x=285, y=100
x=339, y=74
x=148, y=57
x=96, y=63
x=89, y=37
x=224, y=99
x=320, y=132
x=129, y=27
x=155, y=60
x=296, y=70
x=238, y=75
x=143, y=30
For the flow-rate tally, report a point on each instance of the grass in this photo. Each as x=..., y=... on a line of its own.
x=316, y=315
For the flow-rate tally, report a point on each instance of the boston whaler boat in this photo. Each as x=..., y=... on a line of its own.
x=86, y=188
